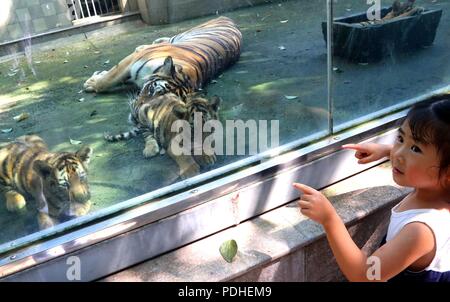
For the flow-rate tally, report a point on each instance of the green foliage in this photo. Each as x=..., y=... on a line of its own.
x=228, y=250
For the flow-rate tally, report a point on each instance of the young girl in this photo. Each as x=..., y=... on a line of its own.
x=417, y=244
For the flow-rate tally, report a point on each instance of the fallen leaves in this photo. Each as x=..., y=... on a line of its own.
x=75, y=142
x=13, y=72
x=21, y=117
x=291, y=97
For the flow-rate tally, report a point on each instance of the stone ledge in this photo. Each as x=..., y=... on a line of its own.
x=282, y=245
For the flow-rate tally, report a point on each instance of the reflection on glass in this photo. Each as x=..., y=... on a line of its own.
x=386, y=56
x=275, y=78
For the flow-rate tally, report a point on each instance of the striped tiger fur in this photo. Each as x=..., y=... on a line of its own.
x=56, y=182
x=137, y=128
x=153, y=118
x=182, y=64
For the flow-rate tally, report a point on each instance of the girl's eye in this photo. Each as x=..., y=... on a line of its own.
x=400, y=139
x=416, y=149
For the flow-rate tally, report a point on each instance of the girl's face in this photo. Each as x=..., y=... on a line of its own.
x=414, y=164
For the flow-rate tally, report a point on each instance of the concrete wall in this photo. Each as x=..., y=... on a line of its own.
x=20, y=18
x=170, y=11
x=128, y=5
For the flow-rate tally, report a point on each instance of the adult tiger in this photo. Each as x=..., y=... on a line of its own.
x=189, y=60
x=153, y=118
x=57, y=182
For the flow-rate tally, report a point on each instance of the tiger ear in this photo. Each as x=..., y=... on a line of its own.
x=85, y=154
x=42, y=168
x=215, y=103
x=179, y=111
x=178, y=69
x=168, y=69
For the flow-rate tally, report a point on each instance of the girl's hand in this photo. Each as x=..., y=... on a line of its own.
x=369, y=152
x=315, y=205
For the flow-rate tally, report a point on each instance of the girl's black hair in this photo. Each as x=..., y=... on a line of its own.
x=429, y=122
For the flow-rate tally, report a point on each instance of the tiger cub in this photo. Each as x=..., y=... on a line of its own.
x=153, y=118
x=56, y=182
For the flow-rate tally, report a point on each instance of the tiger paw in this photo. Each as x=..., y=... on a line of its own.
x=151, y=149
x=81, y=209
x=206, y=160
x=92, y=84
x=15, y=202
x=189, y=171
x=45, y=221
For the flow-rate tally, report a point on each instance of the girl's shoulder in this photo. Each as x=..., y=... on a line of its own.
x=410, y=203
x=438, y=220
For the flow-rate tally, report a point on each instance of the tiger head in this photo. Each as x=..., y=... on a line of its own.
x=194, y=108
x=209, y=109
x=169, y=77
x=65, y=184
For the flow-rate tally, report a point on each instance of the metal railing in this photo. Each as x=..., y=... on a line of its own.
x=82, y=9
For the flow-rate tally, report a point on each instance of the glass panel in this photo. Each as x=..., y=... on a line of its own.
x=280, y=77
x=382, y=63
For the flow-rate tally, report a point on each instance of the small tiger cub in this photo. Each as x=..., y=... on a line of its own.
x=153, y=117
x=56, y=182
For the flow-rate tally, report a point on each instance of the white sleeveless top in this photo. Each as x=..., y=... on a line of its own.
x=438, y=221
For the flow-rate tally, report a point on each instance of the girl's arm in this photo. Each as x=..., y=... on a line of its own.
x=369, y=152
x=413, y=241
x=351, y=260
